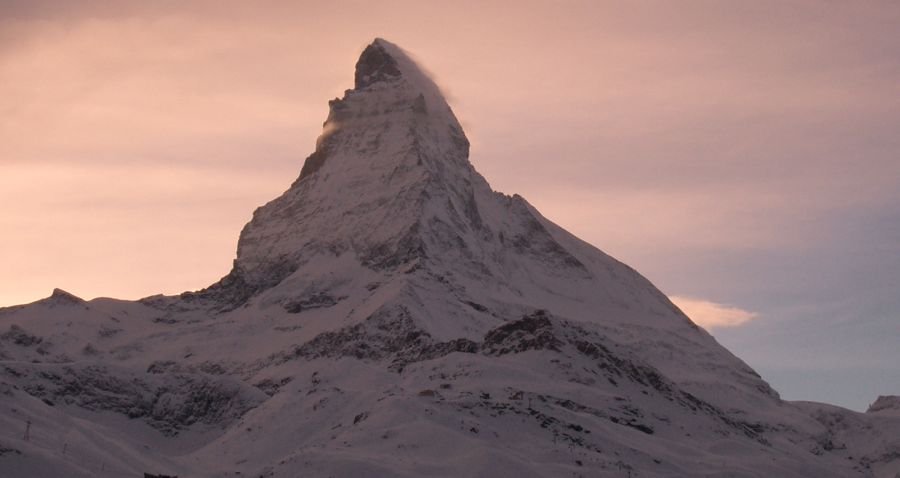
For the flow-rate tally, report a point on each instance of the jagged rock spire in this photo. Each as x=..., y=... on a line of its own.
x=390, y=148
x=390, y=90
x=375, y=64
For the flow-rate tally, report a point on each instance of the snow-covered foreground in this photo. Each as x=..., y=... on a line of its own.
x=391, y=315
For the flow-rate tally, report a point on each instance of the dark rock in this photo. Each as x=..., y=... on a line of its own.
x=476, y=306
x=362, y=416
x=391, y=255
x=170, y=403
x=537, y=241
x=8, y=451
x=18, y=336
x=532, y=332
x=313, y=163
x=271, y=387
x=315, y=301
x=106, y=332
x=374, y=65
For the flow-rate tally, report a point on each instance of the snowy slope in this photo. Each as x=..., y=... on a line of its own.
x=391, y=315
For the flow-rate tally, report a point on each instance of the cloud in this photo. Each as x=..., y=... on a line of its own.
x=710, y=314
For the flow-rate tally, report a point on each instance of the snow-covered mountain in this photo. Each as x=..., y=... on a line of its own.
x=391, y=315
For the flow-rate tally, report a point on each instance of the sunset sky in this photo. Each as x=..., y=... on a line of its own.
x=744, y=156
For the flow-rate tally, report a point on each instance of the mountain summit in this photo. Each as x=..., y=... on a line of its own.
x=391, y=315
x=388, y=149
x=377, y=63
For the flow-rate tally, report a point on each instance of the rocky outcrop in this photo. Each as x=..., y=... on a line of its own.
x=885, y=404
x=374, y=65
x=170, y=403
x=16, y=335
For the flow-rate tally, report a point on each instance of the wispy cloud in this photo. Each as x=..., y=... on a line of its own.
x=710, y=314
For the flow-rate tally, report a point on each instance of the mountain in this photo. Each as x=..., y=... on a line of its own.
x=392, y=315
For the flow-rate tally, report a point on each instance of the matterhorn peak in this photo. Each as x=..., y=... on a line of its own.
x=392, y=97
x=376, y=63
x=391, y=155
x=383, y=62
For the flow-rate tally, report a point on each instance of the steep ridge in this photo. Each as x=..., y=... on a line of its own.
x=391, y=315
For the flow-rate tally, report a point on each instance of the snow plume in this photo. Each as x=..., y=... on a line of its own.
x=710, y=314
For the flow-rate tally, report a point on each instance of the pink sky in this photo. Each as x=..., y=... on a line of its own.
x=136, y=139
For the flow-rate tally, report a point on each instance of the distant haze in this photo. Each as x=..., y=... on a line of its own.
x=741, y=155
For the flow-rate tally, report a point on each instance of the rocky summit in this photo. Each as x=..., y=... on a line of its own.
x=392, y=315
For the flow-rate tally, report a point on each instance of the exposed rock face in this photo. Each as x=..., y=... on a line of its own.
x=885, y=404
x=391, y=315
x=375, y=64
x=170, y=403
x=18, y=336
x=532, y=332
